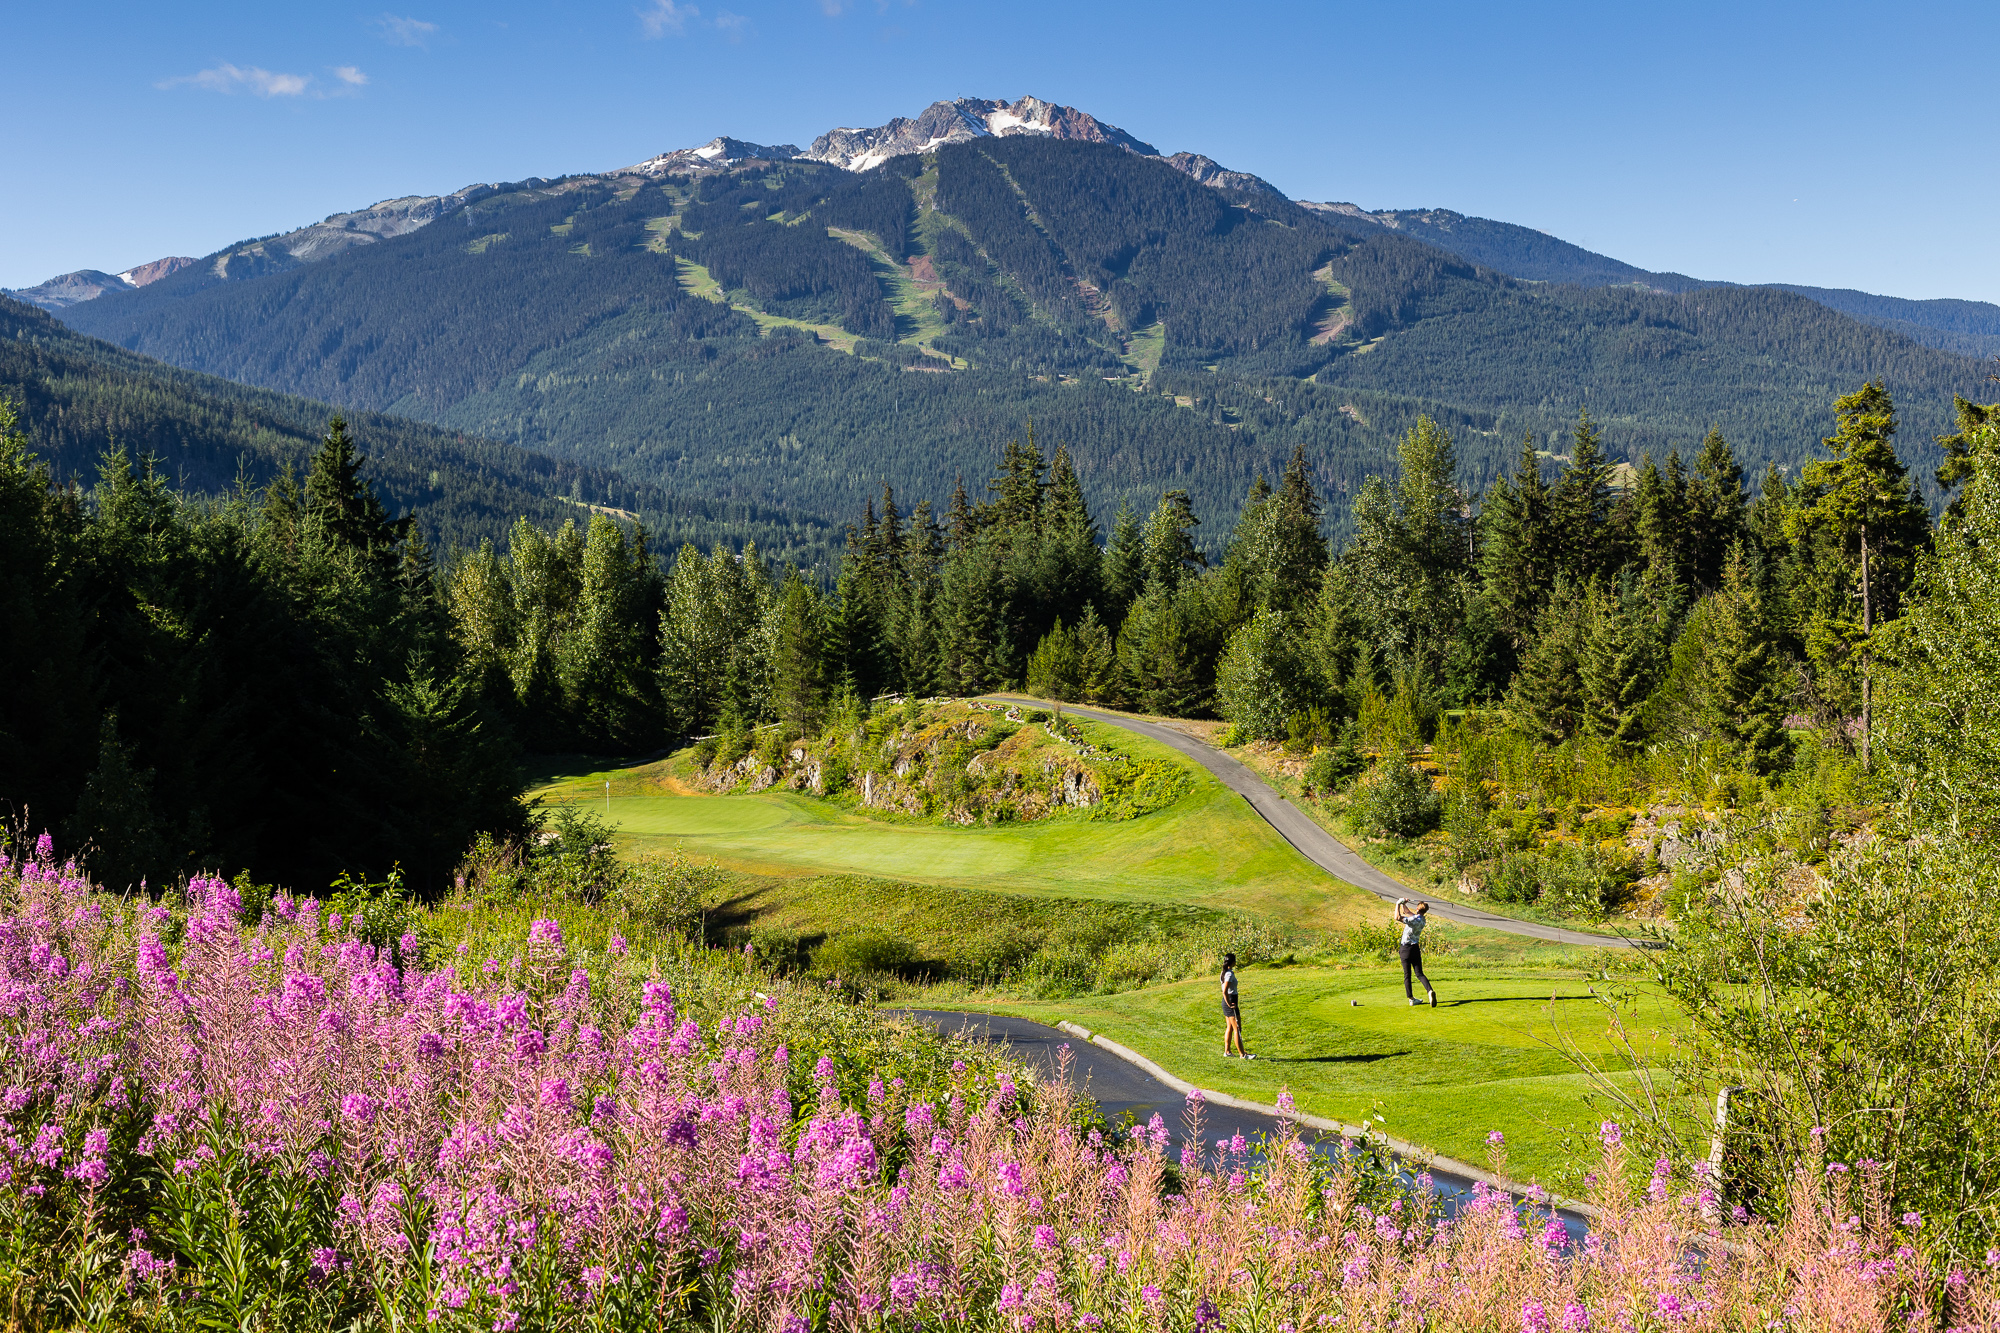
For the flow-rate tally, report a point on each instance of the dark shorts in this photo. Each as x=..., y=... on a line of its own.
x=1229, y=1010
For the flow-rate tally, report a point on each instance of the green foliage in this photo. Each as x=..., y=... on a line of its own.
x=1565, y=879
x=1397, y=799
x=670, y=894
x=1264, y=679
x=1862, y=1023
x=1332, y=767
x=384, y=913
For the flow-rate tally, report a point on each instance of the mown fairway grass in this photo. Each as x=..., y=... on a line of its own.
x=1485, y=1059
x=1208, y=849
x=1441, y=1078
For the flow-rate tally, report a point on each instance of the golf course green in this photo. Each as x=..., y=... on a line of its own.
x=1209, y=849
x=1500, y=1052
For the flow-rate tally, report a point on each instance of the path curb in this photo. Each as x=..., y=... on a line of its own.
x=1400, y=1148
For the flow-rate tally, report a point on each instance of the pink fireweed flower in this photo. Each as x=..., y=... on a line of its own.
x=1534, y=1319
x=1575, y=1319
x=1610, y=1135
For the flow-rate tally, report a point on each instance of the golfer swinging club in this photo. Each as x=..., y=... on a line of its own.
x=1412, y=952
x=1232, y=1017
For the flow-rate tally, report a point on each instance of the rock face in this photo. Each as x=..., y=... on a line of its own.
x=1212, y=173
x=966, y=118
x=717, y=154
x=142, y=274
x=86, y=284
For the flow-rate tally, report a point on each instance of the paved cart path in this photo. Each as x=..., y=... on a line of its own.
x=1322, y=848
x=1118, y=1085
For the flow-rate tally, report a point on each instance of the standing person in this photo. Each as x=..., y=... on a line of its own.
x=1411, y=951
x=1232, y=1017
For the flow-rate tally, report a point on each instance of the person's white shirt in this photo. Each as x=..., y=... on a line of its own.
x=1413, y=926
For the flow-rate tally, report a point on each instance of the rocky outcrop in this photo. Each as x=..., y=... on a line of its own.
x=1213, y=174
x=141, y=275
x=957, y=121
x=717, y=154
x=86, y=284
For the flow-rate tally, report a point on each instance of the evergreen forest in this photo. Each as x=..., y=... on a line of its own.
x=795, y=337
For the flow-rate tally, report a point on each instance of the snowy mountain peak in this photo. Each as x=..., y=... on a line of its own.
x=965, y=118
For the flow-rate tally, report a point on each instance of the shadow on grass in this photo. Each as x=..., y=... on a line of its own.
x=1508, y=999
x=1368, y=1059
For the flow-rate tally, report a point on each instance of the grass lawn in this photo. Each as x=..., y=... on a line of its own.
x=1439, y=1077
x=1208, y=849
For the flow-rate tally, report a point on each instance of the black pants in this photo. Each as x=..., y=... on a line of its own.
x=1413, y=962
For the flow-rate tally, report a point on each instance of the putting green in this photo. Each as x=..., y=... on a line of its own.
x=1350, y=1047
x=1209, y=849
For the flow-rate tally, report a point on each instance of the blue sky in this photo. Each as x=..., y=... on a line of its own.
x=1835, y=145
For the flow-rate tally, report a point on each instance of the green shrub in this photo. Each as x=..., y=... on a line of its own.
x=1332, y=767
x=1397, y=799
x=866, y=953
x=835, y=770
x=1467, y=820
x=771, y=746
x=386, y=910
x=670, y=893
x=705, y=751
x=1566, y=879
x=1515, y=878
x=733, y=741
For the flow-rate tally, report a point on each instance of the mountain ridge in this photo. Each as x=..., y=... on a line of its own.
x=1970, y=328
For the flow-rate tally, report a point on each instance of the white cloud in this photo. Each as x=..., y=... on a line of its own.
x=732, y=25
x=398, y=31
x=665, y=17
x=349, y=75
x=227, y=78
x=832, y=8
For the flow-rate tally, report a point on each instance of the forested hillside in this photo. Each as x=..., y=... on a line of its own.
x=76, y=398
x=790, y=334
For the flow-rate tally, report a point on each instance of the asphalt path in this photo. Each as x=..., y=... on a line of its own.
x=1322, y=848
x=1119, y=1086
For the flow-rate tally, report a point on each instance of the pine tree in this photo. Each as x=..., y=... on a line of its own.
x=1169, y=552
x=1957, y=467
x=1295, y=555
x=340, y=507
x=962, y=521
x=1517, y=560
x=115, y=825
x=1076, y=564
x=1741, y=684
x=1018, y=489
x=1861, y=503
x=1097, y=659
x=1715, y=509
x=1124, y=564
x=1618, y=666
x=799, y=685
x=1055, y=668
x=1546, y=699
x=973, y=614
x=1580, y=503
